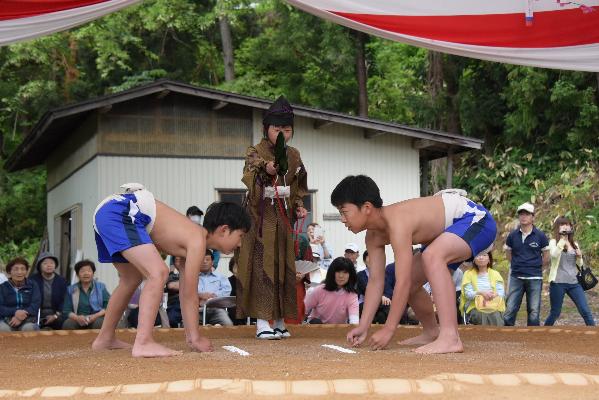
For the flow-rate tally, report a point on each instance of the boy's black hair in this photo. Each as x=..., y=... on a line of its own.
x=357, y=190
x=194, y=210
x=364, y=255
x=84, y=263
x=209, y=253
x=226, y=213
x=341, y=264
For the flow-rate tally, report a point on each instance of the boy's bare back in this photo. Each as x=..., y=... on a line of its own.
x=173, y=233
x=422, y=218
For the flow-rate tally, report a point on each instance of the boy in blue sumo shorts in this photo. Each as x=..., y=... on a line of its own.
x=452, y=228
x=131, y=228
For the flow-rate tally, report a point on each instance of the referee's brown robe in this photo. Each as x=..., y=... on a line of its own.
x=266, y=259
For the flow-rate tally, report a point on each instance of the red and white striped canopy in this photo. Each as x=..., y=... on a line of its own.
x=543, y=33
x=27, y=19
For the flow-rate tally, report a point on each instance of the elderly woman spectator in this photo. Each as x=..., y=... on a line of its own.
x=85, y=302
x=483, y=293
x=19, y=299
x=565, y=257
x=53, y=288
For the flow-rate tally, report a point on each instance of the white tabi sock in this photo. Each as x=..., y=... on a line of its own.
x=280, y=323
x=262, y=325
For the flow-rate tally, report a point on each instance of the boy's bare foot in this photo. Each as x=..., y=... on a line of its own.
x=153, y=349
x=425, y=337
x=442, y=346
x=112, y=344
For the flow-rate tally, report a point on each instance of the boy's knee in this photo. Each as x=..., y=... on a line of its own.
x=159, y=275
x=430, y=258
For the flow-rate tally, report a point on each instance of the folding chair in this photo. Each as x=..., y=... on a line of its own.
x=217, y=302
x=164, y=322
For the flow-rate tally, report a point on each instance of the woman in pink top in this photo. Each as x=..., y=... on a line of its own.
x=336, y=301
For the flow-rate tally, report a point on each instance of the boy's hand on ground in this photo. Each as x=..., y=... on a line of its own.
x=357, y=336
x=201, y=344
x=386, y=301
x=379, y=340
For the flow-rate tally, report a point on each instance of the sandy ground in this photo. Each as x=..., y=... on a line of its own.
x=65, y=359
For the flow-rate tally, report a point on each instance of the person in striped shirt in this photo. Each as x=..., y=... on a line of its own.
x=484, y=281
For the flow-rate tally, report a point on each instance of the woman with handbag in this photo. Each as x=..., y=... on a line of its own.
x=566, y=258
x=483, y=293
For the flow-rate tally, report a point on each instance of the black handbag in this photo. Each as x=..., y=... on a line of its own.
x=586, y=278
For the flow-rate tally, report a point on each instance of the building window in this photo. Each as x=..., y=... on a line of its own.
x=231, y=195
x=309, y=205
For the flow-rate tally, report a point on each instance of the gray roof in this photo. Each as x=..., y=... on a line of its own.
x=55, y=125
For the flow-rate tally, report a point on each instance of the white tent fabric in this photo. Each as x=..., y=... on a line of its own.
x=22, y=20
x=542, y=33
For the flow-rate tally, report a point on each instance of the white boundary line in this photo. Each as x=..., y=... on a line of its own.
x=237, y=350
x=339, y=348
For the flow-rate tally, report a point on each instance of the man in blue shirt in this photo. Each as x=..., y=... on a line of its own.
x=527, y=249
x=210, y=285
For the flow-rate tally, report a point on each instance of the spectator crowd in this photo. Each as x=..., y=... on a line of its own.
x=332, y=292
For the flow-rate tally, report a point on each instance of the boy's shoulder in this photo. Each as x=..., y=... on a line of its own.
x=408, y=207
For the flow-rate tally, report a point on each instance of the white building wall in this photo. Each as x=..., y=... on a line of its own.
x=81, y=187
x=329, y=155
x=333, y=152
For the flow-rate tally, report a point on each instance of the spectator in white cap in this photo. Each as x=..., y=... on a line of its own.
x=352, y=252
x=318, y=275
x=527, y=249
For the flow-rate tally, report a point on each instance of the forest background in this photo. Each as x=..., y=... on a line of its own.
x=540, y=126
